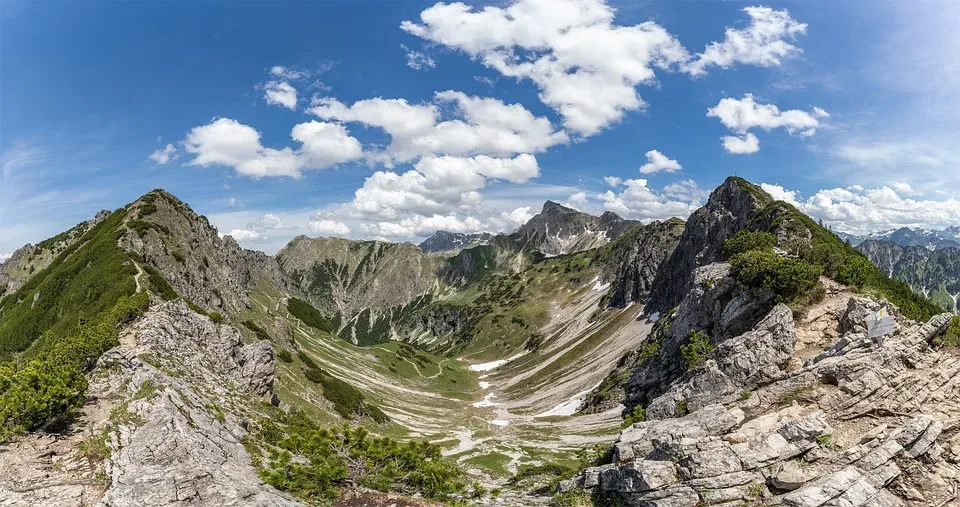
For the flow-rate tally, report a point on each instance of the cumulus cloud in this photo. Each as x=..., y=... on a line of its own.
x=417, y=60
x=280, y=93
x=657, y=162
x=165, y=154
x=741, y=145
x=230, y=143
x=246, y=236
x=4, y=257
x=483, y=126
x=741, y=115
x=613, y=181
x=328, y=227
x=270, y=221
x=639, y=201
x=585, y=66
x=763, y=42
x=437, y=185
x=859, y=210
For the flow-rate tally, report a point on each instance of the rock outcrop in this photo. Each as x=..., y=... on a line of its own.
x=854, y=426
x=728, y=210
x=716, y=306
x=211, y=271
x=167, y=417
x=635, y=258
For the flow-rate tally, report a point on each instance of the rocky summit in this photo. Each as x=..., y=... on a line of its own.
x=721, y=359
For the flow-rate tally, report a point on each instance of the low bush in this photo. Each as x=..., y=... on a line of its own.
x=951, y=338
x=744, y=241
x=46, y=392
x=696, y=350
x=309, y=315
x=639, y=414
x=788, y=278
x=259, y=331
x=284, y=355
x=310, y=462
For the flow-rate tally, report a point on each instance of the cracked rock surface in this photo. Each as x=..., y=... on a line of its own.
x=855, y=425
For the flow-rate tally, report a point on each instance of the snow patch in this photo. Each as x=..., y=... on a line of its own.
x=570, y=406
x=487, y=401
x=484, y=385
x=599, y=286
x=494, y=364
x=499, y=422
x=655, y=316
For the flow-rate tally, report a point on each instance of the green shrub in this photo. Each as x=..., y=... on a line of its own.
x=951, y=338
x=284, y=355
x=841, y=262
x=87, y=278
x=47, y=391
x=787, y=277
x=346, y=399
x=328, y=457
x=216, y=317
x=159, y=284
x=307, y=360
x=308, y=314
x=696, y=350
x=745, y=241
x=259, y=331
x=639, y=414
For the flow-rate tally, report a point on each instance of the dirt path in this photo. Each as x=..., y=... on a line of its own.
x=136, y=277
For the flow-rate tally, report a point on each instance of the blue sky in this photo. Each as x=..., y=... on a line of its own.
x=414, y=116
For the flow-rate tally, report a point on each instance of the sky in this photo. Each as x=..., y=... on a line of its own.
x=393, y=119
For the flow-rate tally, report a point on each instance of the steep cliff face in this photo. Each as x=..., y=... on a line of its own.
x=635, y=258
x=346, y=276
x=728, y=210
x=211, y=271
x=935, y=273
x=558, y=229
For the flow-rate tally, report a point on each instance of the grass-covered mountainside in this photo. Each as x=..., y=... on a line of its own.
x=346, y=363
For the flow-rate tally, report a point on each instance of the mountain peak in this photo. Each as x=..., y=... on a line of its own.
x=556, y=207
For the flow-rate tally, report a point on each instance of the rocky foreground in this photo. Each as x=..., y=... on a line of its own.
x=853, y=424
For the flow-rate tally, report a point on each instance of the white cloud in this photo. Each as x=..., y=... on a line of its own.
x=4, y=257
x=287, y=73
x=763, y=42
x=270, y=221
x=639, y=201
x=613, y=181
x=820, y=113
x=578, y=199
x=246, y=236
x=741, y=145
x=232, y=202
x=230, y=143
x=859, y=210
x=686, y=191
x=484, y=126
x=741, y=115
x=280, y=93
x=165, y=155
x=657, y=162
x=328, y=227
x=585, y=66
x=417, y=60
x=415, y=226
x=437, y=185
